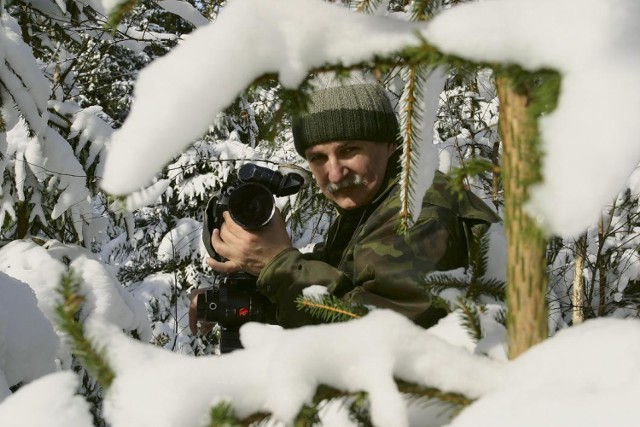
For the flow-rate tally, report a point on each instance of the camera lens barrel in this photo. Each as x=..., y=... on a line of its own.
x=251, y=205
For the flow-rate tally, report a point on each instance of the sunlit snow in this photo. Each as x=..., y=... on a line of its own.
x=586, y=375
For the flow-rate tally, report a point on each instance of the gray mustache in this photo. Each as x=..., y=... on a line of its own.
x=350, y=181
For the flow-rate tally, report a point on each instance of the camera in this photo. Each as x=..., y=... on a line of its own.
x=249, y=197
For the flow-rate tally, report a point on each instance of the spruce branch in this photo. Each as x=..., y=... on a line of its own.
x=308, y=416
x=68, y=311
x=480, y=253
x=368, y=6
x=439, y=281
x=119, y=12
x=494, y=288
x=360, y=409
x=471, y=319
x=476, y=166
x=223, y=414
x=424, y=10
x=330, y=308
x=501, y=317
x=478, y=266
x=411, y=115
x=455, y=400
x=472, y=288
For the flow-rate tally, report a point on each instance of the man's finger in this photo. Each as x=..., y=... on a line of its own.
x=217, y=242
x=228, y=220
x=221, y=247
x=223, y=267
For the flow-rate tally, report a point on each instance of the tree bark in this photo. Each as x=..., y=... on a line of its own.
x=577, y=291
x=602, y=273
x=22, y=222
x=527, y=322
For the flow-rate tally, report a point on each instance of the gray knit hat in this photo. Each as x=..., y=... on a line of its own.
x=343, y=113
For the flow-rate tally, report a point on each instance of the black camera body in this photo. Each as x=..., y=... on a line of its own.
x=249, y=197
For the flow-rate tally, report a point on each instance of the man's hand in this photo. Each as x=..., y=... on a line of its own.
x=245, y=250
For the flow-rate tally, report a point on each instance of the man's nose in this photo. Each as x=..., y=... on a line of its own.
x=336, y=171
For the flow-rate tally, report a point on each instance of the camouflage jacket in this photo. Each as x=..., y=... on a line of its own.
x=365, y=260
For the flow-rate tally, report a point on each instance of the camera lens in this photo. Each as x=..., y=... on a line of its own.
x=251, y=205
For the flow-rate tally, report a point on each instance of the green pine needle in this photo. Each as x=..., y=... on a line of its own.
x=471, y=167
x=360, y=409
x=410, y=128
x=417, y=390
x=471, y=319
x=439, y=281
x=308, y=416
x=481, y=256
x=119, y=12
x=493, y=288
x=68, y=310
x=223, y=415
x=330, y=309
x=423, y=10
x=368, y=6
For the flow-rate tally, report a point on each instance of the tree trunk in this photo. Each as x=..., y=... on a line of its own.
x=526, y=253
x=577, y=291
x=602, y=273
x=22, y=221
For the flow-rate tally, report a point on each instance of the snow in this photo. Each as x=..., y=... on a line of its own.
x=28, y=343
x=182, y=241
x=41, y=268
x=282, y=369
x=594, y=44
x=597, y=56
x=21, y=76
x=585, y=375
x=50, y=401
x=565, y=380
x=184, y=10
x=279, y=370
x=278, y=38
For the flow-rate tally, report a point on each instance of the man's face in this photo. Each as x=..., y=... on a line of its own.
x=349, y=173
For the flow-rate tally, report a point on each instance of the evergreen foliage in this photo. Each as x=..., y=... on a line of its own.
x=330, y=309
x=412, y=114
x=68, y=310
x=96, y=373
x=223, y=415
x=90, y=62
x=473, y=289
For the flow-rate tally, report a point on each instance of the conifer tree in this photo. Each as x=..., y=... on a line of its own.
x=89, y=77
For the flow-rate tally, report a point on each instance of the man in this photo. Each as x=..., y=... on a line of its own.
x=349, y=138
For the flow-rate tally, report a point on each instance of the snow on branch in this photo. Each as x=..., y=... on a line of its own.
x=280, y=370
x=419, y=161
x=175, y=102
x=21, y=77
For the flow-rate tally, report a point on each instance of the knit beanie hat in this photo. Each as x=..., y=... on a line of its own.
x=346, y=113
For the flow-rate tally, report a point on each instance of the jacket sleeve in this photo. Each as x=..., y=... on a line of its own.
x=390, y=268
x=283, y=279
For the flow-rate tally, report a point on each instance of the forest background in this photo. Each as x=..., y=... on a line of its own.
x=67, y=77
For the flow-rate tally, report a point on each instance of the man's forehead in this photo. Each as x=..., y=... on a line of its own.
x=331, y=145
